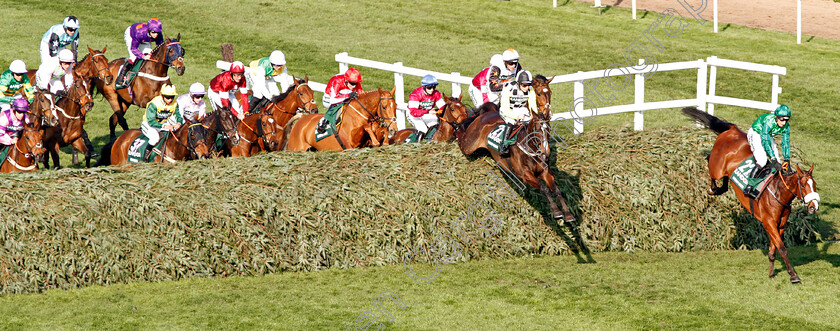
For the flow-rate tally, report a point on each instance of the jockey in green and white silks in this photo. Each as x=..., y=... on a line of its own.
x=162, y=114
x=760, y=137
x=263, y=75
x=13, y=83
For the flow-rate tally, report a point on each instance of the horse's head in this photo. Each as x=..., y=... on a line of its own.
x=197, y=140
x=269, y=132
x=305, y=96
x=33, y=137
x=535, y=143
x=807, y=189
x=80, y=93
x=454, y=111
x=99, y=65
x=227, y=125
x=40, y=110
x=387, y=110
x=174, y=54
x=543, y=94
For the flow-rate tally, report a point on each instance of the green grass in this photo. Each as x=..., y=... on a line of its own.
x=698, y=290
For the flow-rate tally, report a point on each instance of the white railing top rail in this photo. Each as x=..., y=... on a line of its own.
x=620, y=71
x=344, y=58
x=770, y=69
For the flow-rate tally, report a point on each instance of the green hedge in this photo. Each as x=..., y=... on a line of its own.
x=310, y=211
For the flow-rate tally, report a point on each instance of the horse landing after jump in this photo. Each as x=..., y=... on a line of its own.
x=730, y=150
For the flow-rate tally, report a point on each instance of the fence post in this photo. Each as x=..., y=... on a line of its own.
x=399, y=95
x=702, y=71
x=712, y=79
x=639, y=116
x=634, y=9
x=456, y=87
x=577, y=117
x=774, y=94
x=342, y=66
x=555, y=3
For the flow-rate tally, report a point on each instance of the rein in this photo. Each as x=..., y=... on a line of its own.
x=189, y=146
x=25, y=155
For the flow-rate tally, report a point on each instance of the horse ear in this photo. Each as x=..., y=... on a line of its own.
x=549, y=80
x=105, y=49
x=179, y=36
x=459, y=96
x=445, y=99
x=812, y=169
x=90, y=50
x=799, y=170
x=306, y=78
x=394, y=90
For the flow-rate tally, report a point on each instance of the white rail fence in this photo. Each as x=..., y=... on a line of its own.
x=580, y=114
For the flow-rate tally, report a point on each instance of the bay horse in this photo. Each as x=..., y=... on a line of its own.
x=255, y=133
x=93, y=65
x=70, y=113
x=188, y=142
x=150, y=77
x=28, y=151
x=284, y=107
x=452, y=119
x=362, y=123
x=220, y=124
x=772, y=208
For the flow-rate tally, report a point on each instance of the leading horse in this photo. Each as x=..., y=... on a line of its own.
x=150, y=77
x=772, y=208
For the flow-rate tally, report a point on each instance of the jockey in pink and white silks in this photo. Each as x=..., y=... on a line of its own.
x=191, y=105
x=424, y=103
x=479, y=90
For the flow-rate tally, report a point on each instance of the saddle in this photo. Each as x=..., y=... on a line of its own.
x=741, y=176
x=138, y=146
x=497, y=137
x=130, y=75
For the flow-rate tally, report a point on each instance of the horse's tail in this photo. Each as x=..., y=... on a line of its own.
x=287, y=130
x=716, y=124
x=105, y=154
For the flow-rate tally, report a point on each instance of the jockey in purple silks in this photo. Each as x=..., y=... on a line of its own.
x=138, y=37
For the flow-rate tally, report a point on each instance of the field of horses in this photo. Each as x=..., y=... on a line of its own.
x=505, y=281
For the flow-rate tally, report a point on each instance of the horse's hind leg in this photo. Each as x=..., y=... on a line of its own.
x=53, y=147
x=556, y=213
x=79, y=144
x=715, y=190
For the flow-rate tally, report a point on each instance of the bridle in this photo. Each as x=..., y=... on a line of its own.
x=98, y=71
x=813, y=196
x=300, y=109
x=167, y=60
x=27, y=155
x=375, y=117
x=545, y=129
x=191, y=141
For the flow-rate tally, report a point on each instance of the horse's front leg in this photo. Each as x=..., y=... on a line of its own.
x=53, y=147
x=715, y=190
x=374, y=140
x=776, y=240
x=567, y=214
x=79, y=144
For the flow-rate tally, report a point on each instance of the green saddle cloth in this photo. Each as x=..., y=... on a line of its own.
x=4, y=152
x=138, y=146
x=130, y=75
x=741, y=176
x=333, y=119
x=412, y=138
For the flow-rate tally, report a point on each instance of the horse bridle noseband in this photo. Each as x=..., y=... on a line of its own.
x=374, y=118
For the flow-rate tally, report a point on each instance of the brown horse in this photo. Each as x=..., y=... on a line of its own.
x=188, y=142
x=42, y=108
x=527, y=159
x=543, y=94
x=220, y=124
x=772, y=210
x=150, y=77
x=28, y=150
x=70, y=112
x=255, y=133
x=454, y=114
x=363, y=119
x=285, y=106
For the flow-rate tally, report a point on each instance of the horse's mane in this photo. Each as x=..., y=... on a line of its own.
x=540, y=78
x=83, y=58
x=278, y=98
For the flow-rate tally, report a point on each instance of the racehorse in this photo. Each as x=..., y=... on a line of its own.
x=41, y=107
x=283, y=107
x=528, y=158
x=454, y=114
x=255, y=133
x=188, y=142
x=70, y=113
x=93, y=65
x=150, y=77
x=772, y=210
x=363, y=118
x=220, y=124
x=28, y=151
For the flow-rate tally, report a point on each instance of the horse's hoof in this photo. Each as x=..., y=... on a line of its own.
x=559, y=216
x=795, y=279
x=710, y=192
x=773, y=275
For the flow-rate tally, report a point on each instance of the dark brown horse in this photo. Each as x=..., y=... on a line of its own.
x=70, y=112
x=256, y=133
x=363, y=119
x=527, y=159
x=188, y=142
x=220, y=124
x=454, y=114
x=28, y=151
x=150, y=77
x=773, y=208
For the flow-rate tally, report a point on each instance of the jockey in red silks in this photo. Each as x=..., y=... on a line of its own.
x=480, y=88
x=340, y=89
x=223, y=88
x=424, y=103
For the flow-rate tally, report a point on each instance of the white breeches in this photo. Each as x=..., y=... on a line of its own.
x=423, y=123
x=761, y=156
x=45, y=55
x=152, y=133
x=478, y=96
x=261, y=86
x=216, y=101
x=143, y=47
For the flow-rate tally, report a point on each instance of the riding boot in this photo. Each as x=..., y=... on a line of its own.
x=750, y=191
x=90, y=151
x=148, y=152
x=420, y=135
x=123, y=73
x=504, y=146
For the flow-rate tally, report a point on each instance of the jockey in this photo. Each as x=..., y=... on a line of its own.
x=480, y=88
x=223, y=88
x=424, y=105
x=340, y=89
x=263, y=76
x=12, y=121
x=760, y=136
x=58, y=37
x=162, y=114
x=192, y=105
x=498, y=76
x=15, y=81
x=517, y=103
x=55, y=77
x=138, y=37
